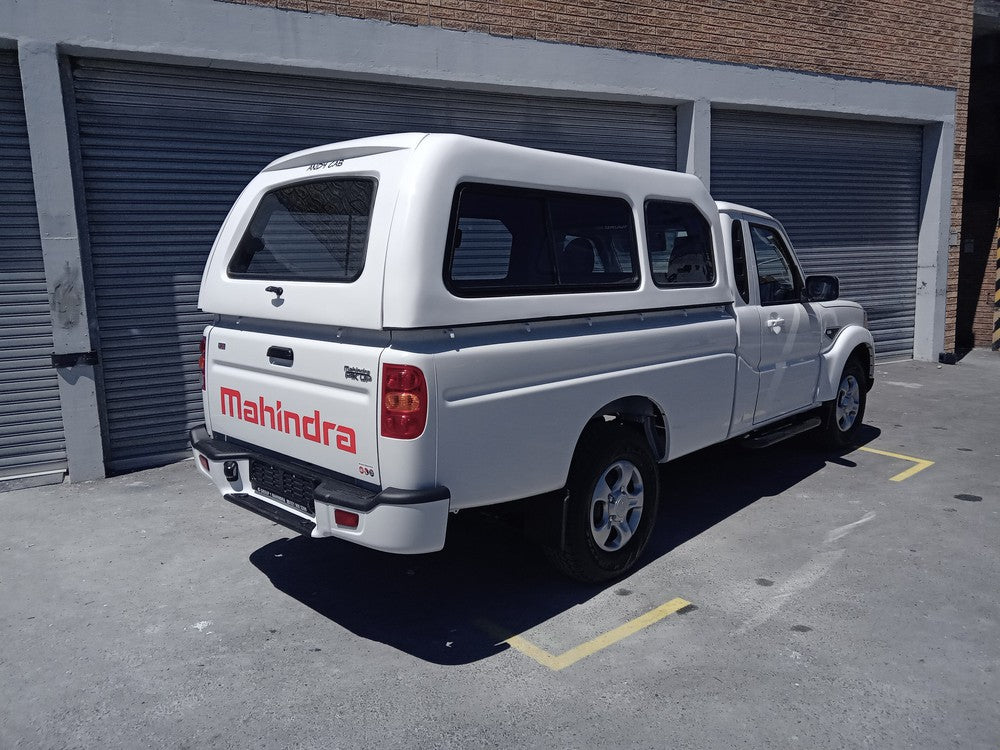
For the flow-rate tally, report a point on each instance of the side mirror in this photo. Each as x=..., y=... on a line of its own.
x=821, y=289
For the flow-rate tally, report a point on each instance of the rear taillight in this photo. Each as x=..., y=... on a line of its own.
x=201, y=361
x=404, y=401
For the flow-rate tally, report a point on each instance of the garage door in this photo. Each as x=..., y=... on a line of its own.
x=31, y=434
x=848, y=192
x=167, y=149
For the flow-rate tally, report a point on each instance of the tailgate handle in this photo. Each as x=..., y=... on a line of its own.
x=282, y=353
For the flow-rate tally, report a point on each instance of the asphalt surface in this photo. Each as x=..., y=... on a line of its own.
x=829, y=607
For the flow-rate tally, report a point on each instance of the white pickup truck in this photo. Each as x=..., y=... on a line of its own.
x=411, y=325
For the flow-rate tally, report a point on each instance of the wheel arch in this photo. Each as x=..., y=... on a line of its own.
x=853, y=341
x=865, y=355
x=644, y=414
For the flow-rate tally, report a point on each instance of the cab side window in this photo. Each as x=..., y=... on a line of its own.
x=680, y=244
x=779, y=282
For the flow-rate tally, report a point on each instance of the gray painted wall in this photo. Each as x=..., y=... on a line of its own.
x=198, y=32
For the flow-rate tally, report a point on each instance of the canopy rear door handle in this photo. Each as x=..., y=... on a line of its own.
x=283, y=354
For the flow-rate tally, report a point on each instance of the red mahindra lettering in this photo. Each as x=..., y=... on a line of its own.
x=307, y=426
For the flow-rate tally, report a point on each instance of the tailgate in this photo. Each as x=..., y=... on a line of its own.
x=313, y=400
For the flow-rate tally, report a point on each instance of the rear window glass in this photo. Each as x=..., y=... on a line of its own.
x=509, y=241
x=680, y=244
x=309, y=231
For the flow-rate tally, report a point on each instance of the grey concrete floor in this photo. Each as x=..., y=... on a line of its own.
x=832, y=607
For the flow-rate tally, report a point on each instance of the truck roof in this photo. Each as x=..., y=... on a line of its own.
x=472, y=146
x=401, y=283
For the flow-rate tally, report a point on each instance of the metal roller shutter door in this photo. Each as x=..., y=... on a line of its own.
x=31, y=432
x=167, y=149
x=847, y=191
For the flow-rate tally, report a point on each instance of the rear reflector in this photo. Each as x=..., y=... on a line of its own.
x=345, y=518
x=203, y=461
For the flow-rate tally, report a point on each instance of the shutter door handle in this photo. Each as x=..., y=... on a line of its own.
x=74, y=359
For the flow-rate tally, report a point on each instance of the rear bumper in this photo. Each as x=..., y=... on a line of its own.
x=392, y=520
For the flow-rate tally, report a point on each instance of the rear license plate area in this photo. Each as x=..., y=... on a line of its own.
x=283, y=486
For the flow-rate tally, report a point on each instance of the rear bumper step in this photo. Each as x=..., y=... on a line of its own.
x=271, y=512
x=328, y=489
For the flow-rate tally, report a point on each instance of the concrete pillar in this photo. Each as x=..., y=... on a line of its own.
x=59, y=213
x=932, y=242
x=694, y=139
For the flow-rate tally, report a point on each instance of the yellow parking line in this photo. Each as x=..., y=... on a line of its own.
x=576, y=653
x=919, y=463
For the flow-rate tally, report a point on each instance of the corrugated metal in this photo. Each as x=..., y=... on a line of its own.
x=31, y=432
x=847, y=191
x=167, y=149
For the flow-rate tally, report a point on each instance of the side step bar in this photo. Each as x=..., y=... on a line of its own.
x=772, y=435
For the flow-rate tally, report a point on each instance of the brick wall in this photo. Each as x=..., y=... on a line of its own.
x=918, y=41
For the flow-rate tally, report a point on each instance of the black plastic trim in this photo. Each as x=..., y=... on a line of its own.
x=271, y=512
x=335, y=492
x=215, y=450
x=330, y=490
x=294, y=465
x=394, y=496
x=281, y=352
x=772, y=434
x=725, y=306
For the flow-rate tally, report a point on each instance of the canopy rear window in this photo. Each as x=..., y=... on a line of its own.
x=308, y=231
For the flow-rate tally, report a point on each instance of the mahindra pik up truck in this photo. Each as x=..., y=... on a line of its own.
x=411, y=325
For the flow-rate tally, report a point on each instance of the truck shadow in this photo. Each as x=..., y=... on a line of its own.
x=703, y=489
x=457, y=606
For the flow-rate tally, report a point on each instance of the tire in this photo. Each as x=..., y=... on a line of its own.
x=842, y=417
x=602, y=541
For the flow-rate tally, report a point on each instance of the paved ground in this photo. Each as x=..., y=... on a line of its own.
x=832, y=607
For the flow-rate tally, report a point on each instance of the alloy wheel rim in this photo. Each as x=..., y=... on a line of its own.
x=616, y=505
x=848, y=402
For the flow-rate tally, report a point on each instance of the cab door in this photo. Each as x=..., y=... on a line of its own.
x=790, y=332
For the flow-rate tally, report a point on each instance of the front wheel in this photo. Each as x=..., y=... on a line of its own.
x=613, y=499
x=842, y=417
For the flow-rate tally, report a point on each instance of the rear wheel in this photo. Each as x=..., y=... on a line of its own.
x=842, y=417
x=613, y=499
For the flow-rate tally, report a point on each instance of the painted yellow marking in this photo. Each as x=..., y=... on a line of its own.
x=565, y=659
x=919, y=463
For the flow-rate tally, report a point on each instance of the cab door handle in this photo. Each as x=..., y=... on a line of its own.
x=775, y=322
